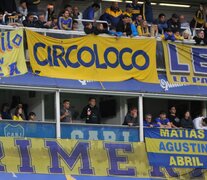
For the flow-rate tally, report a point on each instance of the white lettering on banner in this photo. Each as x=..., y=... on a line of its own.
x=76, y=134
x=126, y=136
x=166, y=85
x=109, y=135
x=93, y=135
x=84, y=82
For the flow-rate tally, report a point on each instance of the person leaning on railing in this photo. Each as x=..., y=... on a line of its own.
x=65, y=21
x=163, y=121
x=131, y=118
x=18, y=114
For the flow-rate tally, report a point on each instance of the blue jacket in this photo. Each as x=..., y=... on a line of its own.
x=167, y=37
x=89, y=13
x=134, y=30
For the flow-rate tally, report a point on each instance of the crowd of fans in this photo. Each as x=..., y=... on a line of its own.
x=135, y=20
x=90, y=114
x=165, y=120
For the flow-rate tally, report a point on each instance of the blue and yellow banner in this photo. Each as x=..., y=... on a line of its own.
x=185, y=64
x=84, y=158
x=12, y=59
x=93, y=58
x=179, y=148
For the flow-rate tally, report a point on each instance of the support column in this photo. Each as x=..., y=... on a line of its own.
x=141, y=117
x=57, y=113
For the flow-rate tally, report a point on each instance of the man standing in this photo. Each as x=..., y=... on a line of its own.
x=65, y=113
x=91, y=113
x=90, y=11
x=174, y=120
x=145, y=10
x=131, y=119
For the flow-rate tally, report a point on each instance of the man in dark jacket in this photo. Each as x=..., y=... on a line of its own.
x=173, y=23
x=124, y=26
x=91, y=113
x=8, y=6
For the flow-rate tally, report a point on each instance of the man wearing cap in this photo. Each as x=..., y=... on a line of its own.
x=173, y=23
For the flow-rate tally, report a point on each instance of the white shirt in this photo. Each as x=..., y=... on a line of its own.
x=198, y=123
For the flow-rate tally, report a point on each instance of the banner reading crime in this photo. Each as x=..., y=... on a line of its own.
x=185, y=64
x=177, y=147
x=12, y=59
x=87, y=158
x=93, y=58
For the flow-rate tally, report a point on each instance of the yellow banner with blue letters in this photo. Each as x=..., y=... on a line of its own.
x=93, y=58
x=185, y=64
x=176, y=148
x=12, y=59
x=86, y=158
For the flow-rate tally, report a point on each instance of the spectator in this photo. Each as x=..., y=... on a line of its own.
x=113, y=15
x=89, y=29
x=90, y=11
x=133, y=27
x=186, y=121
x=5, y=113
x=161, y=23
x=173, y=23
x=41, y=23
x=32, y=5
x=138, y=20
x=50, y=12
x=148, y=121
x=124, y=26
x=19, y=105
x=65, y=112
x=131, y=119
x=75, y=25
x=18, y=114
x=174, y=120
x=186, y=34
x=162, y=121
x=145, y=10
x=168, y=35
x=29, y=21
x=65, y=22
x=143, y=30
x=199, y=18
x=78, y=15
x=68, y=7
x=178, y=36
x=183, y=23
x=1, y=18
x=22, y=9
x=90, y=113
x=8, y=6
x=99, y=29
x=200, y=38
x=54, y=22
x=200, y=123
x=32, y=116
x=154, y=30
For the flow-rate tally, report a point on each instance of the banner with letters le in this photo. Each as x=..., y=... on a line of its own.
x=93, y=58
x=12, y=59
x=185, y=64
x=177, y=148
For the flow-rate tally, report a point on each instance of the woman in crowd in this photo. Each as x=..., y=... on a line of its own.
x=18, y=115
x=143, y=30
x=186, y=121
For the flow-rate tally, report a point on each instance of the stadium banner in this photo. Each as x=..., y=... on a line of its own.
x=12, y=59
x=185, y=64
x=16, y=129
x=100, y=132
x=84, y=158
x=93, y=58
x=181, y=148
